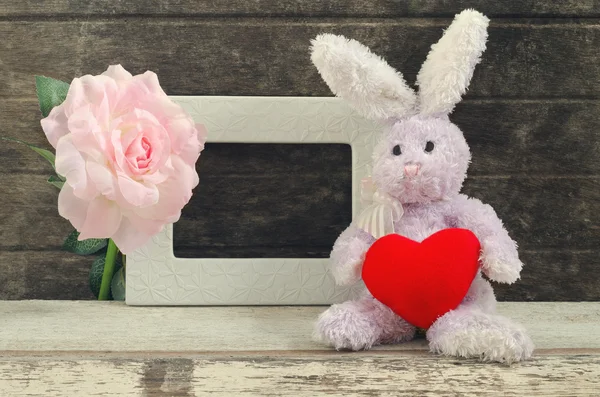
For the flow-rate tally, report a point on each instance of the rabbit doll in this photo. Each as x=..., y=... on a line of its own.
x=420, y=163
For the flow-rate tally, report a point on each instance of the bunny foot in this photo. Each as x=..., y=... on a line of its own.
x=469, y=332
x=361, y=324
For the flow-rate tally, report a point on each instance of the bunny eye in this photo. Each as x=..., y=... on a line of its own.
x=396, y=151
x=429, y=147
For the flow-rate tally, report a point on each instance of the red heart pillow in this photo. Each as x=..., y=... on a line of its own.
x=422, y=281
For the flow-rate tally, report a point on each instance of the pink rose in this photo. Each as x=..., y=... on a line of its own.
x=128, y=154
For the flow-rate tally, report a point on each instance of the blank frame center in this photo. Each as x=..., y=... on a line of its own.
x=259, y=200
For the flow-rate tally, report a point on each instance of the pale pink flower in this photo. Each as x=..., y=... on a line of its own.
x=128, y=154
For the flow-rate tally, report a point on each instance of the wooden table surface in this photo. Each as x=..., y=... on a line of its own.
x=76, y=348
x=531, y=117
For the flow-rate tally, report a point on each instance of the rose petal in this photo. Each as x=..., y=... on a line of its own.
x=161, y=107
x=55, y=126
x=157, y=177
x=85, y=133
x=150, y=80
x=128, y=238
x=181, y=129
x=103, y=178
x=103, y=113
x=70, y=163
x=202, y=134
x=84, y=91
x=119, y=153
x=72, y=208
x=191, y=151
x=120, y=142
x=118, y=73
x=137, y=193
x=102, y=219
x=76, y=97
x=143, y=127
x=131, y=95
x=149, y=226
x=174, y=193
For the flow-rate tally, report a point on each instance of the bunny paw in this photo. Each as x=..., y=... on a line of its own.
x=502, y=271
x=348, y=255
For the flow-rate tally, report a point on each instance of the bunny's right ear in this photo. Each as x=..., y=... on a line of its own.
x=447, y=71
x=365, y=80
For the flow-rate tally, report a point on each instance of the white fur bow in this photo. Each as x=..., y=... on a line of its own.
x=380, y=210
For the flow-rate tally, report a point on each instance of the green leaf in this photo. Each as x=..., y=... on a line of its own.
x=48, y=155
x=117, y=286
x=56, y=181
x=96, y=274
x=85, y=247
x=50, y=93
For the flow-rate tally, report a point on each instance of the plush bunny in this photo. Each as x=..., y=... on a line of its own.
x=421, y=163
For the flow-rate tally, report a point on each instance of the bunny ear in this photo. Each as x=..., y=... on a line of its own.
x=366, y=81
x=446, y=74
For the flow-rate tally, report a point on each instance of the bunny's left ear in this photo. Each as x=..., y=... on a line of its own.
x=446, y=74
x=367, y=82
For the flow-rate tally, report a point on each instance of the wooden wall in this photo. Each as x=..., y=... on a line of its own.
x=531, y=116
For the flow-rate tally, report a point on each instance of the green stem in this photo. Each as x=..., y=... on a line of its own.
x=109, y=269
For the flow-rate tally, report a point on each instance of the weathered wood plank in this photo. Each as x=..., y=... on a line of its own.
x=44, y=275
x=544, y=211
x=295, y=197
x=555, y=275
x=313, y=375
x=507, y=137
x=270, y=56
x=540, y=213
x=557, y=213
x=541, y=137
x=29, y=215
x=204, y=350
x=372, y=8
x=67, y=326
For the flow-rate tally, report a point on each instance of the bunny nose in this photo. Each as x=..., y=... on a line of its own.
x=411, y=169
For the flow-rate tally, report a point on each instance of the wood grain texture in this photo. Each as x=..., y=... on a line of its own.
x=67, y=326
x=554, y=275
x=307, y=375
x=243, y=8
x=270, y=56
x=35, y=274
x=531, y=117
x=544, y=212
x=264, y=351
x=540, y=213
x=506, y=136
x=554, y=220
x=294, y=197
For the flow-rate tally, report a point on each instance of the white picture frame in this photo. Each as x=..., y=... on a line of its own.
x=155, y=277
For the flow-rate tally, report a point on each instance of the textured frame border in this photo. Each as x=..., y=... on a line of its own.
x=156, y=277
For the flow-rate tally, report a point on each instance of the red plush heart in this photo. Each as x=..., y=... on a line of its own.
x=422, y=281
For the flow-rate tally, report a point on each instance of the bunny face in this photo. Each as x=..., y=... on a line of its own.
x=421, y=159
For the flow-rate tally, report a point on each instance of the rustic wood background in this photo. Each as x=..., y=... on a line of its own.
x=531, y=116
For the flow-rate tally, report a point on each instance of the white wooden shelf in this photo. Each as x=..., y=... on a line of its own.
x=74, y=348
